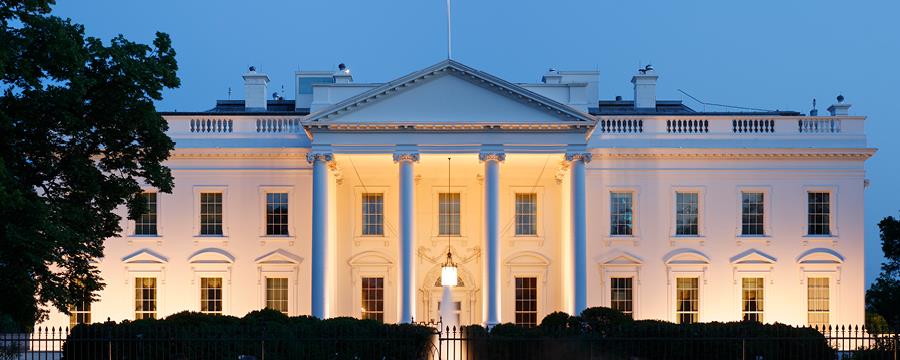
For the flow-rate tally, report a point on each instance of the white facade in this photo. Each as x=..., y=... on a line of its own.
x=553, y=147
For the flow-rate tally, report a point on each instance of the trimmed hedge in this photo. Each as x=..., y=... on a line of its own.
x=190, y=335
x=609, y=334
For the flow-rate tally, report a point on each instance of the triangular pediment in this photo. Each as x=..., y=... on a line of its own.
x=621, y=258
x=752, y=256
x=144, y=256
x=448, y=93
x=279, y=256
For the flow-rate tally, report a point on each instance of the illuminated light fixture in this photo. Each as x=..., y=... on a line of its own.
x=448, y=270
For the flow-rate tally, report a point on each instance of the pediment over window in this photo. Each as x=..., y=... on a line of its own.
x=527, y=258
x=369, y=258
x=686, y=257
x=820, y=256
x=279, y=257
x=753, y=256
x=211, y=256
x=621, y=258
x=145, y=256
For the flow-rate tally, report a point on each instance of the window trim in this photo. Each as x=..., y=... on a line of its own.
x=635, y=237
x=833, y=301
x=389, y=210
x=130, y=225
x=373, y=264
x=766, y=289
x=701, y=215
x=384, y=296
x=212, y=270
x=263, y=191
x=621, y=264
x=199, y=289
x=197, y=190
x=833, y=190
x=768, y=230
x=832, y=270
x=463, y=238
x=525, y=264
x=280, y=263
x=131, y=281
x=687, y=263
x=537, y=297
x=509, y=234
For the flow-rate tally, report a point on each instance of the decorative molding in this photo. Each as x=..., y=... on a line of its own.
x=337, y=171
x=848, y=154
x=412, y=156
x=561, y=172
x=492, y=155
x=312, y=157
x=576, y=156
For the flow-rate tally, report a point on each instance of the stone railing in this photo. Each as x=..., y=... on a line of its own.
x=228, y=126
x=729, y=126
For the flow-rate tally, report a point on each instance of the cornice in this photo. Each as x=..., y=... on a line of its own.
x=768, y=154
x=250, y=153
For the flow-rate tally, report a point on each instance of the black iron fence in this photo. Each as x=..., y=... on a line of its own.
x=465, y=343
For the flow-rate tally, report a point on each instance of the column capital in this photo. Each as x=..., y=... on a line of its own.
x=312, y=157
x=412, y=156
x=492, y=155
x=576, y=156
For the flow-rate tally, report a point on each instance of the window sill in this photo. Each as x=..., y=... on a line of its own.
x=263, y=239
x=820, y=239
x=687, y=239
x=144, y=238
x=753, y=239
x=622, y=239
x=211, y=239
x=360, y=239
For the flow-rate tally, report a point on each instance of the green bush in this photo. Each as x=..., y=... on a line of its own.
x=264, y=333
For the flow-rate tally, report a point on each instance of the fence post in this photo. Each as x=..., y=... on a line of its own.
x=744, y=348
x=896, y=343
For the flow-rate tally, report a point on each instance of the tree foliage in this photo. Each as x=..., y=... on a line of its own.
x=79, y=135
x=883, y=297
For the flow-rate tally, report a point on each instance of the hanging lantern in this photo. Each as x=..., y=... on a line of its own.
x=448, y=272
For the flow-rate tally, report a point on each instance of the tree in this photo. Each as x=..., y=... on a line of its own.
x=79, y=135
x=883, y=297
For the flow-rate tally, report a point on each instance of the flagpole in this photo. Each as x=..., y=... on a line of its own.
x=449, y=39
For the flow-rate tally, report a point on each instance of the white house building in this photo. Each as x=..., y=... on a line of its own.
x=343, y=201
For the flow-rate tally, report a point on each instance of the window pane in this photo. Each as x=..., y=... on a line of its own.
x=752, y=213
x=819, y=213
x=526, y=214
x=144, y=298
x=145, y=224
x=620, y=213
x=211, y=295
x=818, y=304
x=621, y=295
x=373, y=214
x=448, y=214
x=526, y=301
x=80, y=313
x=373, y=298
x=277, y=294
x=687, y=300
x=210, y=213
x=752, y=296
x=687, y=207
x=277, y=214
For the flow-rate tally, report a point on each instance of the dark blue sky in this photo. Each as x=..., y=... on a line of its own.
x=766, y=54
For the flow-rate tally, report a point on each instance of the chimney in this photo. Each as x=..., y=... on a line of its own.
x=552, y=77
x=645, y=88
x=342, y=76
x=840, y=108
x=255, y=86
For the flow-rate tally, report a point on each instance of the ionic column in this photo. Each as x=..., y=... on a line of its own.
x=579, y=228
x=319, y=253
x=407, y=231
x=492, y=232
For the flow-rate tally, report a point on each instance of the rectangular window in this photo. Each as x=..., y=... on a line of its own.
x=621, y=295
x=817, y=294
x=687, y=207
x=526, y=301
x=687, y=299
x=752, y=299
x=145, y=298
x=526, y=214
x=819, y=213
x=372, y=214
x=620, y=213
x=752, y=213
x=211, y=295
x=373, y=298
x=146, y=223
x=277, y=214
x=211, y=213
x=277, y=294
x=448, y=214
x=80, y=313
